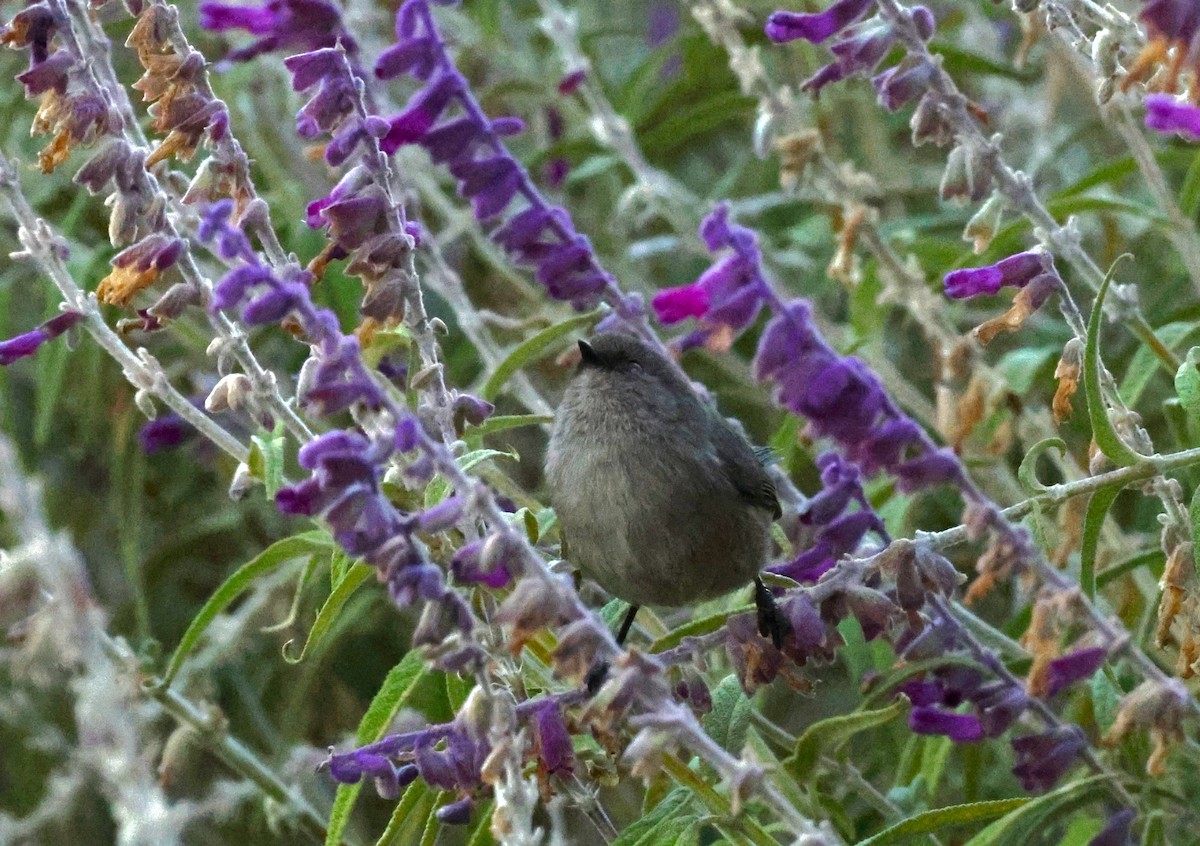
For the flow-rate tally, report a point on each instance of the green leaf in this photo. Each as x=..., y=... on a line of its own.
x=438, y=489
x=1187, y=388
x=503, y=423
x=345, y=588
x=1144, y=363
x=828, y=734
x=1018, y=825
x=457, y=690
x=931, y=821
x=729, y=718
x=661, y=827
x=535, y=348
x=51, y=377
x=1194, y=513
x=266, y=459
x=1106, y=698
x=1189, y=193
x=1102, y=429
x=1027, y=472
x=1093, y=522
x=695, y=628
x=409, y=808
x=482, y=833
x=1152, y=558
x=395, y=692
x=273, y=556
x=1020, y=367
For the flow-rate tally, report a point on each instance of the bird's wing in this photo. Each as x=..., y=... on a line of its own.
x=743, y=466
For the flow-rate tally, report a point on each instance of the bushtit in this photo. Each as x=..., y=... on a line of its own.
x=659, y=499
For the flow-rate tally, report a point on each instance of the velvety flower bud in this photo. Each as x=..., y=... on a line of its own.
x=29, y=343
x=456, y=813
x=896, y=86
x=164, y=432
x=570, y=83
x=1073, y=667
x=1165, y=113
x=1015, y=271
x=552, y=738
x=961, y=728
x=788, y=26
x=1042, y=759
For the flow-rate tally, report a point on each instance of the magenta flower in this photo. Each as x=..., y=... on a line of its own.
x=783, y=27
x=29, y=343
x=1165, y=113
x=1015, y=271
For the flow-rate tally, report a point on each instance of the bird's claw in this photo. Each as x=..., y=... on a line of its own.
x=771, y=622
x=596, y=677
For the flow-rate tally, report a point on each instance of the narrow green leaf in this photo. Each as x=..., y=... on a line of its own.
x=433, y=826
x=1187, y=388
x=695, y=628
x=729, y=718
x=482, y=833
x=349, y=583
x=51, y=377
x=828, y=734
x=1144, y=363
x=1189, y=193
x=1106, y=437
x=536, y=348
x=503, y=423
x=273, y=556
x=1152, y=558
x=416, y=794
x=457, y=690
x=931, y=821
x=266, y=459
x=1194, y=512
x=438, y=489
x=645, y=830
x=395, y=691
x=1027, y=472
x=1093, y=522
x=1019, y=824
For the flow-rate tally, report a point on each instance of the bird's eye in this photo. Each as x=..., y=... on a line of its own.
x=633, y=366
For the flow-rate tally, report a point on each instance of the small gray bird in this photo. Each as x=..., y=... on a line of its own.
x=660, y=500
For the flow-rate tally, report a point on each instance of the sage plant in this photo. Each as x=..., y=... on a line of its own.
x=292, y=287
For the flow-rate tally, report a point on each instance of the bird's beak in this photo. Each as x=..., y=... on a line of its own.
x=587, y=354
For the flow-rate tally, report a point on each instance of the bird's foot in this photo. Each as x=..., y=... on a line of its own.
x=771, y=622
x=596, y=677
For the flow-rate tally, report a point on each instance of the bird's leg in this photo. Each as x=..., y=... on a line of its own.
x=627, y=624
x=771, y=622
x=599, y=671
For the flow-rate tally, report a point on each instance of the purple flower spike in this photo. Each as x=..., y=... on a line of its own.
x=961, y=728
x=553, y=739
x=1175, y=20
x=1042, y=759
x=783, y=27
x=297, y=25
x=1076, y=666
x=1015, y=271
x=1165, y=113
x=29, y=343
